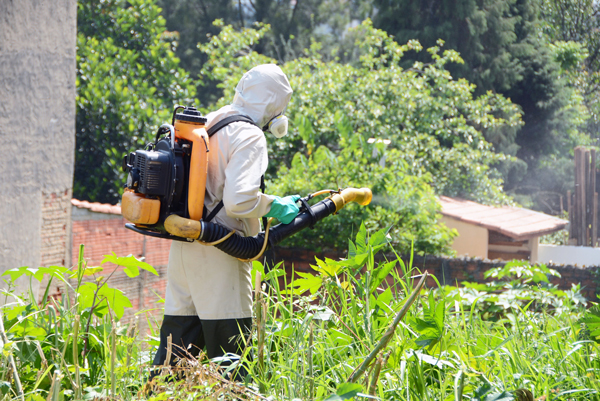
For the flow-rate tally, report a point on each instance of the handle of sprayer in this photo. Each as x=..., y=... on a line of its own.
x=305, y=207
x=163, y=130
x=322, y=192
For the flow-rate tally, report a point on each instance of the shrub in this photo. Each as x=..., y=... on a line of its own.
x=375, y=124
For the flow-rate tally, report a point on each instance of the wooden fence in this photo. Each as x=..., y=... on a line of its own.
x=583, y=204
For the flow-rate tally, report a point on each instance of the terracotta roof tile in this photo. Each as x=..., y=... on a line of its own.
x=97, y=207
x=514, y=222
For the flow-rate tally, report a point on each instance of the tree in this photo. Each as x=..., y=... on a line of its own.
x=482, y=31
x=192, y=21
x=552, y=114
x=574, y=28
x=504, y=50
x=293, y=27
x=342, y=116
x=128, y=80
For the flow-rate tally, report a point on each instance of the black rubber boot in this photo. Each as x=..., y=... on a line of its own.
x=190, y=335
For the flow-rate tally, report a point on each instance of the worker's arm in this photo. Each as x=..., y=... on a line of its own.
x=248, y=160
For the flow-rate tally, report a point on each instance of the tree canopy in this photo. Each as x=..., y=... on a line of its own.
x=479, y=99
x=574, y=29
x=399, y=131
x=128, y=80
x=505, y=50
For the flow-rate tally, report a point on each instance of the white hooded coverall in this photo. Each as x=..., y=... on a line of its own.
x=202, y=280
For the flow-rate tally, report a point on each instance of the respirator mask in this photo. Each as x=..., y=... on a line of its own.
x=278, y=126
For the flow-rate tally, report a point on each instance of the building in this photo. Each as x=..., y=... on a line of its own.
x=490, y=232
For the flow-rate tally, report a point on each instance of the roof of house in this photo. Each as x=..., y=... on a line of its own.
x=97, y=207
x=514, y=222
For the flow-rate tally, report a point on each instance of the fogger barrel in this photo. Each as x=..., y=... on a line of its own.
x=248, y=247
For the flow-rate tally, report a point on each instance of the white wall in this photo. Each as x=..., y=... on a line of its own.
x=568, y=255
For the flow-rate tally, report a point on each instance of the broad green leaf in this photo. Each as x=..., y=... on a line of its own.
x=351, y=249
x=116, y=299
x=28, y=329
x=358, y=260
x=439, y=313
x=52, y=271
x=381, y=237
x=323, y=313
x=591, y=318
x=381, y=273
x=276, y=271
x=4, y=387
x=385, y=298
x=431, y=326
x=11, y=312
x=257, y=267
x=131, y=271
x=328, y=267
x=88, y=271
x=361, y=240
x=308, y=283
x=130, y=264
x=338, y=337
x=434, y=360
x=106, y=297
x=18, y=272
x=86, y=294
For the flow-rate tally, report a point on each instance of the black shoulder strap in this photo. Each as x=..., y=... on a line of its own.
x=262, y=189
x=213, y=130
x=228, y=120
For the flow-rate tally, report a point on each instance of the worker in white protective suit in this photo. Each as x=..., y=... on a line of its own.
x=209, y=293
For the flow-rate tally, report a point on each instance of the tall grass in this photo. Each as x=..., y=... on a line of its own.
x=72, y=347
x=524, y=342
x=349, y=330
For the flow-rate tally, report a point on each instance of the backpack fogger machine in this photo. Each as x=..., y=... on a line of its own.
x=166, y=181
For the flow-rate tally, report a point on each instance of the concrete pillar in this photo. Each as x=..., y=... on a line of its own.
x=37, y=130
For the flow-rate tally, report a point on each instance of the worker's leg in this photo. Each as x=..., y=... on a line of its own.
x=181, y=321
x=187, y=339
x=227, y=336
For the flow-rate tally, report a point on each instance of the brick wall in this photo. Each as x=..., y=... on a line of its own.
x=453, y=271
x=56, y=213
x=103, y=236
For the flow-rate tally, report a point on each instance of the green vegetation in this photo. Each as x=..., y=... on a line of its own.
x=488, y=106
x=293, y=28
x=506, y=50
x=490, y=102
x=425, y=129
x=128, y=81
x=72, y=347
x=518, y=48
x=355, y=328
x=573, y=29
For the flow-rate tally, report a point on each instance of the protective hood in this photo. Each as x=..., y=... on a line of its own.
x=263, y=93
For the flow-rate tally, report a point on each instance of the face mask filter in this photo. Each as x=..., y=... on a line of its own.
x=278, y=126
